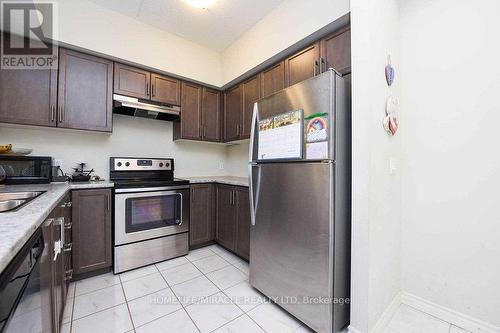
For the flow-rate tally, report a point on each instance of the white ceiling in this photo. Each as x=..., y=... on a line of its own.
x=216, y=27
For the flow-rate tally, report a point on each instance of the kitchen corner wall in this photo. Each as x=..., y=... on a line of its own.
x=450, y=112
x=131, y=137
x=376, y=193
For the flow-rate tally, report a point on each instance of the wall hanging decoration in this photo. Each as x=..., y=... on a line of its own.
x=389, y=72
x=391, y=120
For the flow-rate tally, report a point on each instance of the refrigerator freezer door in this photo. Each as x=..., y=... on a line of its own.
x=291, y=252
x=313, y=96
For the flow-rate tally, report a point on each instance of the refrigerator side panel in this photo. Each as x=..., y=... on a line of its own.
x=291, y=240
x=342, y=201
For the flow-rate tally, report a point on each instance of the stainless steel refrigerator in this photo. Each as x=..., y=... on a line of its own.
x=300, y=181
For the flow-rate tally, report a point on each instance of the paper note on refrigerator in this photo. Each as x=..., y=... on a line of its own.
x=281, y=136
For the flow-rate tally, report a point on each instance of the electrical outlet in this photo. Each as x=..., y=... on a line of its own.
x=58, y=163
x=221, y=165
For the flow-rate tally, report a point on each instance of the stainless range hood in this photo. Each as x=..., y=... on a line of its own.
x=131, y=106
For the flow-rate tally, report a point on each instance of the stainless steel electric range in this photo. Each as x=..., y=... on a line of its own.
x=151, y=212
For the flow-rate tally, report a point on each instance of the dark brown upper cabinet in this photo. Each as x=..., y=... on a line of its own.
x=251, y=94
x=272, y=79
x=165, y=89
x=28, y=97
x=189, y=126
x=233, y=110
x=210, y=115
x=139, y=83
x=132, y=81
x=302, y=65
x=85, y=96
x=336, y=51
x=200, y=114
x=91, y=215
x=202, y=215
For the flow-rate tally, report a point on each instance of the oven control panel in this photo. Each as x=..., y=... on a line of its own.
x=138, y=164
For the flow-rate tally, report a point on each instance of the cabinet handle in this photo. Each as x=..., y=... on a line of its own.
x=52, y=113
x=237, y=130
x=69, y=275
x=109, y=202
x=147, y=89
x=231, y=198
x=68, y=247
x=204, y=131
x=315, y=68
x=61, y=110
x=68, y=226
x=234, y=198
x=153, y=90
x=323, y=65
x=192, y=195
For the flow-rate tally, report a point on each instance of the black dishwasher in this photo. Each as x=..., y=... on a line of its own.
x=21, y=299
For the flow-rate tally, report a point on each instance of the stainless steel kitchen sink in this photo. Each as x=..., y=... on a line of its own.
x=13, y=200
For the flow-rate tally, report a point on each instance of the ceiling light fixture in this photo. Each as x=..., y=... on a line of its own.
x=203, y=4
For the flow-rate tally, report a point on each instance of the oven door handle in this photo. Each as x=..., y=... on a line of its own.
x=180, y=194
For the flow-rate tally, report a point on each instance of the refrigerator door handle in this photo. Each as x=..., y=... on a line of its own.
x=254, y=192
x=252, y=131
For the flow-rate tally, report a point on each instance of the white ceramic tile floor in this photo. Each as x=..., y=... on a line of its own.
x=206, y=291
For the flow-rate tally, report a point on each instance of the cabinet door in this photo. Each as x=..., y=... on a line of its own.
x=302, y=65
x=225, y=233
x=273, y=79
x=191, y=111
x=243, y=226
x=210, y=115
x=85, y=96
x=91, y=230
x=233, y=109
x=165, y=89
x=131, y=81
x=336, y=51
x=251, y=93
x=28, y=96
x=201, y=217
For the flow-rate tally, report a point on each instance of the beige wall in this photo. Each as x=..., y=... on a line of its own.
x=284, y=26
x=87, y=25
x=451, y=112
x=131, y=137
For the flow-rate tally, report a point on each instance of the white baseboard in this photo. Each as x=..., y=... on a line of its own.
x=385, y=318
x=353, y=330
x=387, y=315
x=454, y=317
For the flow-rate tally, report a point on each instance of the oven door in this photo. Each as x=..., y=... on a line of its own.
x=146, y=215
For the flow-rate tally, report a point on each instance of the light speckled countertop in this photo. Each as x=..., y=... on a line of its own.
x=17, y=226
x=230, y=180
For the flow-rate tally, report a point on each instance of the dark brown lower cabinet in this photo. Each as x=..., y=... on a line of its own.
x=233, y=219
x=202, y=214
x=53, y=267
x=243, y=222
x=226, y=217
x=91, y=230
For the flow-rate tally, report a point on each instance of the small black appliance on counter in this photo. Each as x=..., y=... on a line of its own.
x=19, y=170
